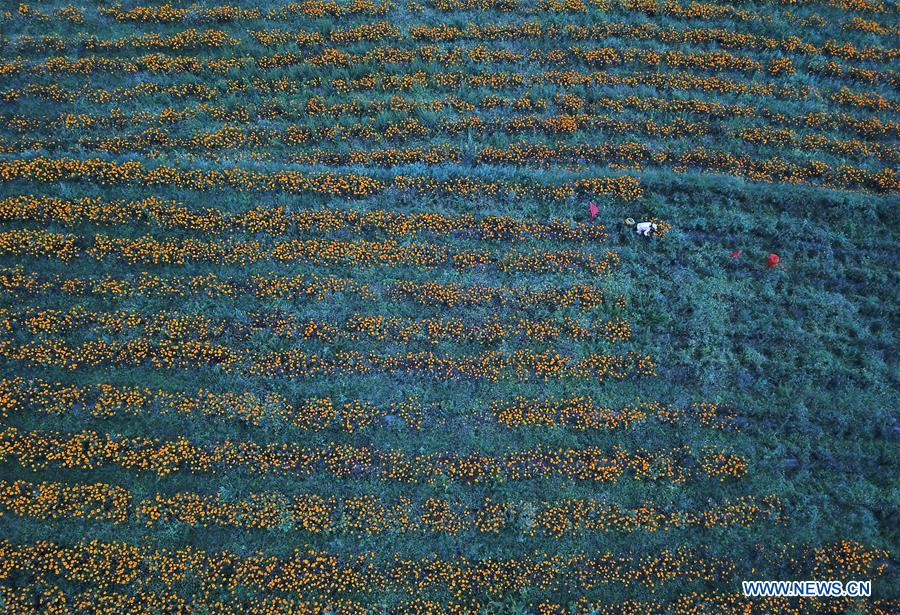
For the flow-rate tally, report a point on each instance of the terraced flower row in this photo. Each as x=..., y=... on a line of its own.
x=453, y=56
x=368, y=515
x=134, y=172
x=491, y=366
x=18, y=396
x=280, y=221
x=265, y=144
x=564, y=81
x=370, y=108
x=560, y=33
x=400, y=81
x=317, y=8
x=324, y=574
x=360, y=253
x=585, y=297
x=374, y=327
x=22, y=600
x=89, y=450
x=720, y=602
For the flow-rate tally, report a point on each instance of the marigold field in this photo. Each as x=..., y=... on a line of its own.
x=337, y=306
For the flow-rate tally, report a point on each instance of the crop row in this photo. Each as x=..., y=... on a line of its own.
x=319, y=8
x=585, y=413
x=183, y=40
x=88, y=450
x=697, y=603
x=148, y=250
x=565, y=103
x=608, y=152
x=376, y=327
x=671, y=81
x=232, y=136
x=405, y=81
x=106, y=401
x=368, y=515
x=635, y=154
x=279, y=221
x=41, y=597
x=249, y=141
x=487, y=31
x=311, y=288
x=522, y=365
x=454, y=81
x=614, y=154
x=350, y=185
x=771, y=169
x=626, y=188
x=308, y=571
x=726, y=38
x=101, y=564
x=452, y=56
x=168, y=13
x=450, y=81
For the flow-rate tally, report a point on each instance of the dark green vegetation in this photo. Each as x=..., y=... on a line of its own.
x=804, y=354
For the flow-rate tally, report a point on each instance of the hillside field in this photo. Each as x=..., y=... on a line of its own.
x=335, y=306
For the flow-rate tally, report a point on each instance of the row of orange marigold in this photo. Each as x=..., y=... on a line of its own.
x=701, y=603
x=452, y=81
x=369, y=515
x=277, y=220
x=107, y=173
x=389, y=55
x=375, y=327
x=18, y=395
x=155, y=140
x=44, y=598
x=629, y=155
x=88, y=450
x=491, y=365
x=489, y=30
x=564, y=103
x=584, y=297
x=309, y=571
x=380, y=57
x=119, y=564
x=573, y=79
x=184, y=40
x=726, y=38
x=149, y=250
x=168, y=13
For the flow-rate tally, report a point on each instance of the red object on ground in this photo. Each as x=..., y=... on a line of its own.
x=593, y=209
x=735, y=254
x=772, y=260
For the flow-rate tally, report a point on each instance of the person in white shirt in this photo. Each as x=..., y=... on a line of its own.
x=646, y=228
